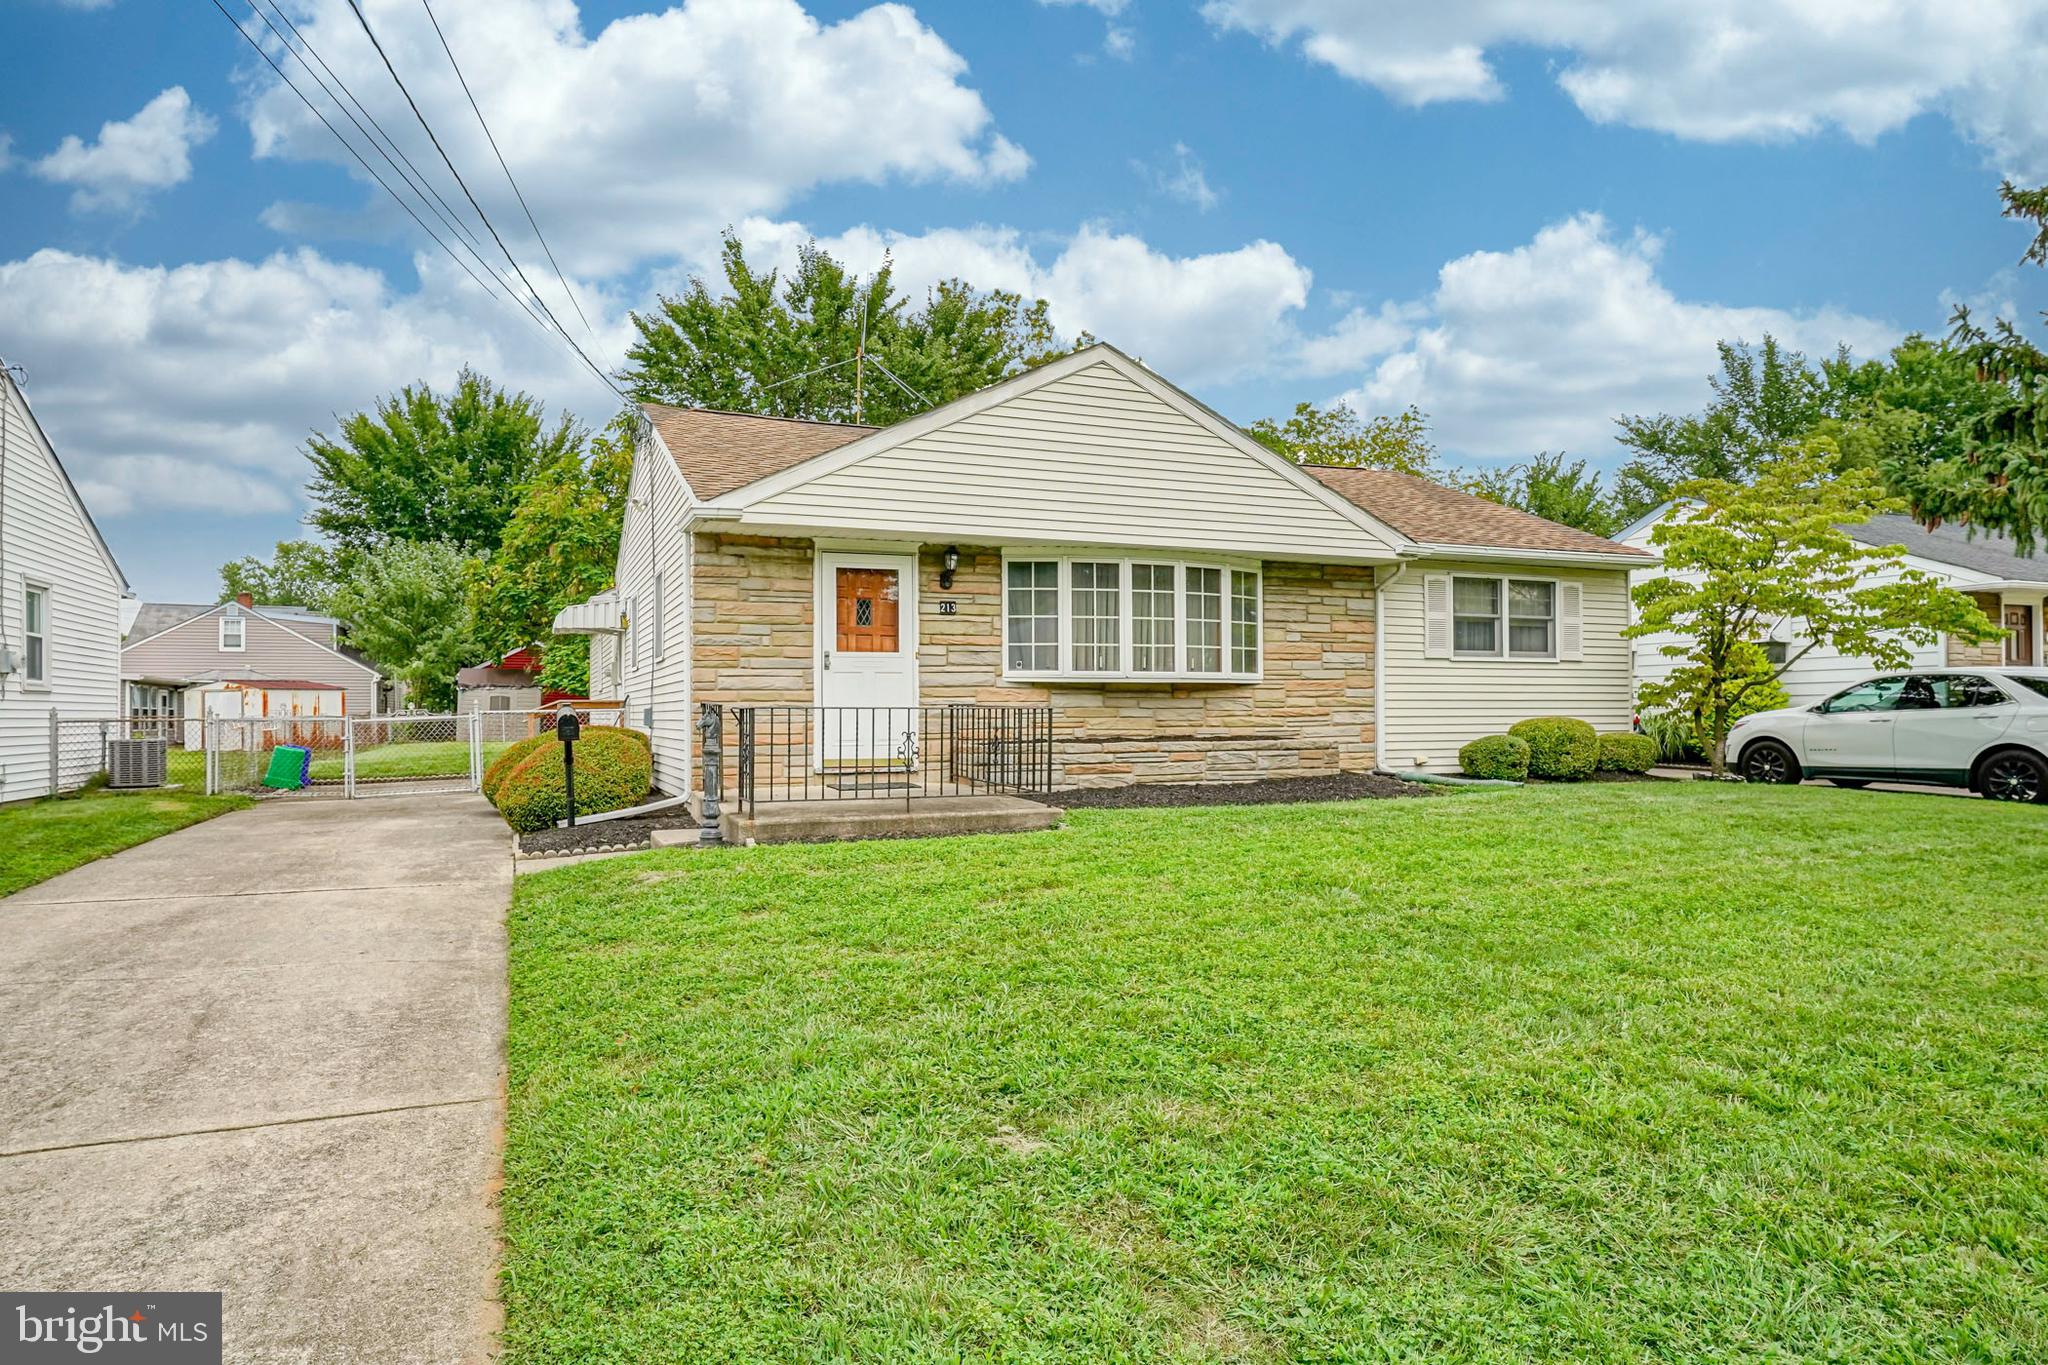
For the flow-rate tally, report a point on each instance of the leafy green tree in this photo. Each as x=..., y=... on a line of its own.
x=1745, y=558
x=1996, y=474
x=299, y=573
x=408, y=606
x=421, y=466
x=559, y=548
x=793, y=347
x=1337, y=435
x=1545, y=486
x=1764, y=399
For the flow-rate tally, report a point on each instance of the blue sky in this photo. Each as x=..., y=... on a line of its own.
x=1525, y=219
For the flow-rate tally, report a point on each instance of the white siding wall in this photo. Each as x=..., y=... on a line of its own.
x=1093, y=458
x=1823, y=671
x=651, y=542
x=1432, y=707
x=46, y=540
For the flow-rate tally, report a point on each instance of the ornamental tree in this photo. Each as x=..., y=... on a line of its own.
x=1742, y=560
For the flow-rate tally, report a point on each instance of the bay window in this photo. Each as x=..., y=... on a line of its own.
x=1148, y=619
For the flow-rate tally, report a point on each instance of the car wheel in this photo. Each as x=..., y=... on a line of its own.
x=1769, y=761
x=2014, y=776
x=1854, y=784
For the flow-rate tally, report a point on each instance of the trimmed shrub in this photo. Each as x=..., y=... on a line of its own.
x=613, y=771
x=515, y=754
x=1499, y=757
x=1623, y=752
x=1560, y=748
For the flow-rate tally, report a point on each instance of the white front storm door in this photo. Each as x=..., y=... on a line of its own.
x=867, y=661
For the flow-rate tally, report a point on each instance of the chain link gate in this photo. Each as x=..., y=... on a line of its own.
x=348, y=756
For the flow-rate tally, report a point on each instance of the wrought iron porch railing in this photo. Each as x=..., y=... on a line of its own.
x=837, y=753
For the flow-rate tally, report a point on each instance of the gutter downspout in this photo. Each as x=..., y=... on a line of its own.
x=7, y=382
x=1379, y=662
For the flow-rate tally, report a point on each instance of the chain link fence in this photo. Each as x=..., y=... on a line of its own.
x=400, y=754
x=126, y=752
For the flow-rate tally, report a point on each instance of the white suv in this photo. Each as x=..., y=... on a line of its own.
x=1981, y=728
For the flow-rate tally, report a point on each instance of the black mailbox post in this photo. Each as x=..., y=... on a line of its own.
x=568, y=729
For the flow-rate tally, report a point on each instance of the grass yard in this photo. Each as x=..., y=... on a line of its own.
x=39, y=839
x=1680, y=1071
x=431, y=758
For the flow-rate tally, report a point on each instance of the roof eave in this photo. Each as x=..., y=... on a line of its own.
x=1617, y=558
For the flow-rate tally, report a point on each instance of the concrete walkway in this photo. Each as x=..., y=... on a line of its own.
x=264, y=1056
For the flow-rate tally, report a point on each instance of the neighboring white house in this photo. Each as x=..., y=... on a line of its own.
x=2010, y=589
x=60, y=602
x=1088, y=538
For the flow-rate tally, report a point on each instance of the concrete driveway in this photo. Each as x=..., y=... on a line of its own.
x=264, y=1056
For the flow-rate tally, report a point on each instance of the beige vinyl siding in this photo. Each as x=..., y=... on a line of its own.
x=1092, y=458
x=191, y=649
x=47, y=541
x=650, y=542
x=1432, y=707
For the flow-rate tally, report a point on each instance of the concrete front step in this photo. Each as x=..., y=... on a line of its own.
x=790, y=822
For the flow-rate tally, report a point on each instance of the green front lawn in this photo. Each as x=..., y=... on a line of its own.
x=1680, y=1071
x=39, y=839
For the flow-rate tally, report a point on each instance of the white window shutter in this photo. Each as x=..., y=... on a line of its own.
x=1571, y=627
x=1436, y=616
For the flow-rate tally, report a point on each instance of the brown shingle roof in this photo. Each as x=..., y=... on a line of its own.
x=1430, y=512
x=721, y=451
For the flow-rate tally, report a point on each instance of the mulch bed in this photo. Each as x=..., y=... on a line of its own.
x=636, y=833
x=1273, y=791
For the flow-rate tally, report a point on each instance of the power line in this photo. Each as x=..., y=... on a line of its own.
x=516, y=193
x=463, y=185
x=372, y=170
x=414, y=178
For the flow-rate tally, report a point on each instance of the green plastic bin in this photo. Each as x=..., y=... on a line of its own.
x=291, y=767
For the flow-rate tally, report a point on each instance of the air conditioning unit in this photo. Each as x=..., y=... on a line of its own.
x=136, y=762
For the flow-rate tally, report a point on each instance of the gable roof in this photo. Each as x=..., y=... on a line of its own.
x=1436, y=515
x=718, y=452
x=1988, y=552
x=748, y=466
x=175, y=614
x=11, y=393
x=154, y=618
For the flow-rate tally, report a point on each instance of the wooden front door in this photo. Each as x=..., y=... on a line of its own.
x=2019, y=636
x=867, y=659
x=869, y=604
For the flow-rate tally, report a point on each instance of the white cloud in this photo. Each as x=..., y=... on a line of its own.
x=1542, y=347
x=131, y=159
x=1184, y=178
x=1207, y=318
x=1736, y=69
x=195, y=386
x=1118, y=40
x=661, y=128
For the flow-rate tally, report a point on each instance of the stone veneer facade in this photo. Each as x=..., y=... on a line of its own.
x=1311, y=713
x=1991, y=653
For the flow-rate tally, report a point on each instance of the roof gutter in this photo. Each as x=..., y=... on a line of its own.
x=1604, y=559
